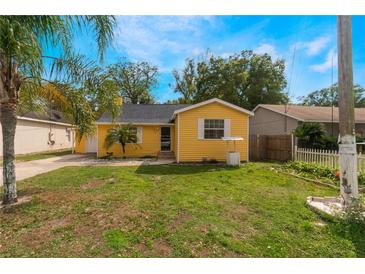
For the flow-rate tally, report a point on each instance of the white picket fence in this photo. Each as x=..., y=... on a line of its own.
x=327, y=158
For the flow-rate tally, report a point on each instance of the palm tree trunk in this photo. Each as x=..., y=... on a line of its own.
x=8, y=124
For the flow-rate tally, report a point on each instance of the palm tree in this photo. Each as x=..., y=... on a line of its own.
x=310, y=134
x=23, y=66
x=122, y=135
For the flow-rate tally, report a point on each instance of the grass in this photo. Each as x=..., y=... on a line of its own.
x=42, y=155
x=172, y=211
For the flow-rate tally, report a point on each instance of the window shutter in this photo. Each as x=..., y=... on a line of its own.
x=139, y=135
x=200, y=129
x=227, y=127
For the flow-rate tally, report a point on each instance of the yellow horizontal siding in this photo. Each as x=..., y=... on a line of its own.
x=80, y=146
x=150, y=145
x=191, y=149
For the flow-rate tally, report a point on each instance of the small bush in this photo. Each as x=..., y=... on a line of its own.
x=354, y=220
x=314, y=169
x=329, y=142
x=319, y=171
x=361, y=178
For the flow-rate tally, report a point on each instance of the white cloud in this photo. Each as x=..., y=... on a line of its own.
x=269, y=49
x=152, y=38
x=327, y=64
x=225, y=54
x=315, y=46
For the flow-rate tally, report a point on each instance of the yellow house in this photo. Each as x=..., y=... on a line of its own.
x=189, y=133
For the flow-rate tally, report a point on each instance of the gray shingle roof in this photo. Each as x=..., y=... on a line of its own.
x=140, y=113
x=50, y=115
x=313, y=113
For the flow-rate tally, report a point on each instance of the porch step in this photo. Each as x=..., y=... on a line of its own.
x=169, y=155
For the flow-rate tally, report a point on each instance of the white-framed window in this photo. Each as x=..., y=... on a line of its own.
x=68, y=134
x=138, y=132
x=133, y=130
x=213, y=128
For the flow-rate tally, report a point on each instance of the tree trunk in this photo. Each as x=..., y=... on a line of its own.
x=8, y=124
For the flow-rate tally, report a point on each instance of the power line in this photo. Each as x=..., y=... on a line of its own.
x=290, y=80
x=332, y=99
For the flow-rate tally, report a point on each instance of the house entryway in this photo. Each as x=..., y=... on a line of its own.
x=165, y=139
x=166, y=144
x=91, y=144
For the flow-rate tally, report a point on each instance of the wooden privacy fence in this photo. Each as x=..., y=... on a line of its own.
x=327, y=158
x=271, y=147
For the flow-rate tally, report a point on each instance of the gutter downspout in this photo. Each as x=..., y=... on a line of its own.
x=178, y=139
x=72, y=140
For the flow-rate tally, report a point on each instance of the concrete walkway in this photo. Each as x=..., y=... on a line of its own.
x=31, y=168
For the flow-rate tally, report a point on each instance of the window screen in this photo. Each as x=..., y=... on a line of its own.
x=213, y=128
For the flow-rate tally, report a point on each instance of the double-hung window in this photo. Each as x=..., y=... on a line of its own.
x=213, y=128
x=137, y=131
x=133, y=130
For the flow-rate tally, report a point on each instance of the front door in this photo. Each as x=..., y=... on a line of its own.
x=91, y=144
x=165, y=139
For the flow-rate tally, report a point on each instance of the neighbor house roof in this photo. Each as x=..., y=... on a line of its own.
x=48, y=116
x=312, y=113
x=143, y=114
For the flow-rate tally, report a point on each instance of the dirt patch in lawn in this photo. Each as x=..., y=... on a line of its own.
x=57, y=223
x=161, y=248
x=92, y=184
x=179, y=220
x=237, y=212
x=38, y=236
x=141, y=247
x=62, y=196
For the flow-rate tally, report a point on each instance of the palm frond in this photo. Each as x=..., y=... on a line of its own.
x=72, y=68
x=23, y=43
x=103, y=27
x=120, y=134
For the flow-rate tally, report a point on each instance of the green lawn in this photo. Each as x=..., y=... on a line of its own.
x=39, y=156
x=172, y=211
x=42, y=155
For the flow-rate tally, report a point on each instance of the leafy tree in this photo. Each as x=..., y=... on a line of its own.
x=122, y=135
x=327, y=96
x=245, y=79
x=24, y=67
x=180, y=100
x=101, y=92
x=134, y=80
x=186, y=82
x=310, y=134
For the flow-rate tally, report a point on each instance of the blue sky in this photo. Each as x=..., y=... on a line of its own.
x=166, y=41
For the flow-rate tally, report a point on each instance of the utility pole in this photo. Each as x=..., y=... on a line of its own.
x=347, y=145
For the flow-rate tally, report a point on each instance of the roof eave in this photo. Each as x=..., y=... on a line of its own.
x=279, y=112
x=133, y=123
x=216, y=100
x=43, y=121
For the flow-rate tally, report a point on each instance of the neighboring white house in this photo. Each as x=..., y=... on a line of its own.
x=41, y=132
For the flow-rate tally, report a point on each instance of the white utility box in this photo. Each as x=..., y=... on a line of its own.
x=233, y=158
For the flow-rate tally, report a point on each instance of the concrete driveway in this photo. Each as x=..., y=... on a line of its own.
x=31, y=168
